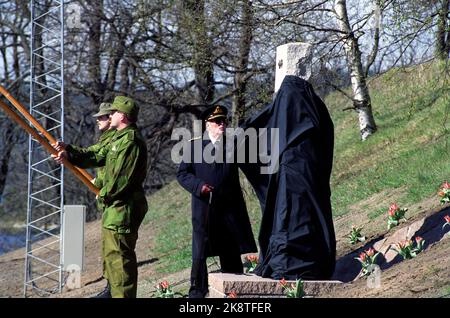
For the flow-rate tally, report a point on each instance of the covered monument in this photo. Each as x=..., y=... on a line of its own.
x=296, y=238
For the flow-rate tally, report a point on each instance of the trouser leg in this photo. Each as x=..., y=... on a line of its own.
x=120, y=263
x=199, y=279
x=230, y=261
x=105, y=275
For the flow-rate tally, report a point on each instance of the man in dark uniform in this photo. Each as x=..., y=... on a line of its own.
x=122, y=196
x=220, y=223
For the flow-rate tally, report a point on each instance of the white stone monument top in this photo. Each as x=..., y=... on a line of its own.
x=293, y=59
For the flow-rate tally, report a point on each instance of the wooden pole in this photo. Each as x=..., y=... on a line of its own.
x=47, y=146
x=36, y=124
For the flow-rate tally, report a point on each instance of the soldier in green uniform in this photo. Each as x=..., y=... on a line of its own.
x=122, y=195
x=75, y=155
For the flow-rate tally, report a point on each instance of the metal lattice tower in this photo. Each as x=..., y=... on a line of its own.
x=44, y=248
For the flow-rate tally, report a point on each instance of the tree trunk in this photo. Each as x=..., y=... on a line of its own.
x=94, y=43
x=202, y=51
x=443, y=34
x=124, y=79
x=361, y=97
x=5, y=154
x=202, y=55
x=240, y=80
x=376, y=36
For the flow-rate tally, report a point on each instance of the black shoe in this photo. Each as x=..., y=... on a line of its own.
x=197, y=292
x=105, y=293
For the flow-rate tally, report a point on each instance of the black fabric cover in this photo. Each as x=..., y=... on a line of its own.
x=296, y=238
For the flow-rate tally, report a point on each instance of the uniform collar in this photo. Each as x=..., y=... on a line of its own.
x=125, y=130
x=215, y=140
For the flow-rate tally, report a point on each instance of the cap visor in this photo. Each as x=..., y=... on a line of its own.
x=216, y=116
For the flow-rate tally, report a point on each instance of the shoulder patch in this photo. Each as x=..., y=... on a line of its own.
x=131, y=135
x=195, y=138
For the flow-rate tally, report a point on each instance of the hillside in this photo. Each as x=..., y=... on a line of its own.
x=405, y=162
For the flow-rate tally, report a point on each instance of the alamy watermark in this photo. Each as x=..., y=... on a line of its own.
x=73, y=280
x=374, y=278
x=73, y=16
x=242, y=146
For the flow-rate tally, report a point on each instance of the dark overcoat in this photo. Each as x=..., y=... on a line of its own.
x=221, y=223
x=297, y=238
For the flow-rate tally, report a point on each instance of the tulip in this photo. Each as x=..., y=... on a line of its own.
x=233, y=294
x=363, y=257
x=165, y=284
x=393, y=207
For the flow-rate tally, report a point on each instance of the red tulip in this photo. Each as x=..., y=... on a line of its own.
x=446, y=185
x=393, y=207
x=164, y=284
x=447, y=218
x=402, y=245
x=233, y=294
x=418, y=239
x=283, y=282
x=363, y=257
x=370, y=252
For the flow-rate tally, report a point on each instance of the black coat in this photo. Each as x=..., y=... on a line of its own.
x=297, y=238
x=224, y=223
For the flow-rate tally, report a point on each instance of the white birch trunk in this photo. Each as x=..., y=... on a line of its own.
x=361, y=97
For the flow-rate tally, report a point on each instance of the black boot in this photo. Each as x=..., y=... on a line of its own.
x=105, y=293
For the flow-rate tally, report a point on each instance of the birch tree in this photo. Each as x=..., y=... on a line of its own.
x=361, y=97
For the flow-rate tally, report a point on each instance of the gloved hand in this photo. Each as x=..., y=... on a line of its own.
x=206, y=189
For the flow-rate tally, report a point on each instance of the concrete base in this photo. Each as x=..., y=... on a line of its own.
x=252, y=286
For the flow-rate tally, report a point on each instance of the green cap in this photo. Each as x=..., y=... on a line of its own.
x=104, y=109
x=125, y=105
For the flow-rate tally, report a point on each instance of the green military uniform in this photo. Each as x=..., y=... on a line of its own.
x=123, y=198
x=125, y=208
x=76, y=154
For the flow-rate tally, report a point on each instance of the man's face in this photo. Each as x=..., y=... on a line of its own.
x=103, y=122
x=216, y=126
x=115, y=119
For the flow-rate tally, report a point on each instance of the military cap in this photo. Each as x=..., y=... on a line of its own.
x=103, y=109
x=214, y=112
x=125, y=105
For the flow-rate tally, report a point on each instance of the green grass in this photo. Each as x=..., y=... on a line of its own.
x=170, y=216
x=405, y=161
x=410, y=149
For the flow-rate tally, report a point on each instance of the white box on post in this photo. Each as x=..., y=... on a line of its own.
x=73, y=237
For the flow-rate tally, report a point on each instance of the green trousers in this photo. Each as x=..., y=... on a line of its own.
x=120, y=265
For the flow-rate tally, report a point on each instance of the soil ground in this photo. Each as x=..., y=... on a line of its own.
x=427, y=275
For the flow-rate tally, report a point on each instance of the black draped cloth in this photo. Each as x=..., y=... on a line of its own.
x=296, y=238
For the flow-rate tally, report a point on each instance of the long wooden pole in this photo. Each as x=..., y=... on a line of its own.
x=36, y=124
x=47, y=145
